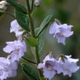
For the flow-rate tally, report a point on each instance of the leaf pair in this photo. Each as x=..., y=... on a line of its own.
x=39, y=41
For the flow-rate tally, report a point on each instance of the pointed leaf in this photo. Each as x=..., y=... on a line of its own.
x=31, y=41
x=17, y=6
x=22, y=20
x=43, y=25
x=30, y=72
x=41, y=42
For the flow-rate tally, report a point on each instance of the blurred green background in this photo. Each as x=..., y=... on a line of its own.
x=67, y=11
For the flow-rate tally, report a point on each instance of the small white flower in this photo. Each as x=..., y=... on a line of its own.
x=16, y=48
x=60, y=31
x=37, y=2
x=48, y=66
x=15, y=27
x=67, y=66
x=7, y=69
x=3, y=6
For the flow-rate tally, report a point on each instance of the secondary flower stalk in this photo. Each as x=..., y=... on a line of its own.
x=65, y=65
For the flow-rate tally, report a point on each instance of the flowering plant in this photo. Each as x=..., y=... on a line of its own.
x=29, y=36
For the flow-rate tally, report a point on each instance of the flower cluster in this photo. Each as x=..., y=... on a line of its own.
x=51, y=66
x=16, y=50
x=60, y=31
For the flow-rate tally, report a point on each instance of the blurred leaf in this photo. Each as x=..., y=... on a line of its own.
x=22, y=20
x=62, y=15
x=31, y=41
x=30, y=72
x=43, y=25
x=17, y=6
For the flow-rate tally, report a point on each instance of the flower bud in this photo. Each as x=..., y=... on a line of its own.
x=37, y=2
x=3, y=6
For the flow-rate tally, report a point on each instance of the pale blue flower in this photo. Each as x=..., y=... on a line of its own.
x=67, y=65
x=15, y=27
x=7, y=69
x=48, y=66
x=16, y=49
x=60, y=31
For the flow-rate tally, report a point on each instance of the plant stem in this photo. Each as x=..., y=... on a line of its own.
x=33, y=35
x=30, y=19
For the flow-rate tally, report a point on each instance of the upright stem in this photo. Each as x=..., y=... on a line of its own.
x=30, y=19
x=33, y=35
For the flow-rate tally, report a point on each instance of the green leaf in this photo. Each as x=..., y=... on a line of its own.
x=43, y=25
x=31, y=41
x=17, y=6
x=41, y=42
x=22, y=20
x=30, y=72
x=33, y=50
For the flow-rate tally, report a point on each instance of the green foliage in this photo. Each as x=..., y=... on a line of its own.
x=31, y=41
x=41, y=44
x=43, y=25
x=17, y=6
x=63, y=15
x=33, y=50
x=22, y=20
x=29, y=72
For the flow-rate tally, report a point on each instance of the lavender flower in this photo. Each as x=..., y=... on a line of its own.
x=60, y=31
x=13, y=69
x=16, y=49
x=15, y=27
x=67, y=65
x=7, y=69
x=48, y=66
